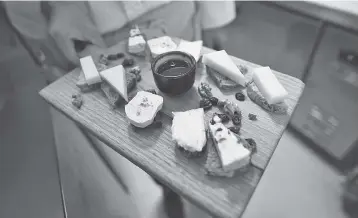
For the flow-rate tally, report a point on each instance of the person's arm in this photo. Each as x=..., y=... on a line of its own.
x=71, y=22
x=215, y=15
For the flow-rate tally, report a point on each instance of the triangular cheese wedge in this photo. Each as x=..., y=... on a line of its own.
x=222, y=63
x=193, y=48
x=90, y=70
x=116, y=77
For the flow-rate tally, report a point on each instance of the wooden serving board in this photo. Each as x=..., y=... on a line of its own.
x=154, y=151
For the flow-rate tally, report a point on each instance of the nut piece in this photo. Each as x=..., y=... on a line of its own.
x=205, y=103
x=214, y=101
x=135, y=70
x=204, y=90
x=251, y=145
x=252, y=117
x=77, y=100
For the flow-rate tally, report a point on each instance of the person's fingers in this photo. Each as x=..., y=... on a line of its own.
x=66, y=45
x=93, y=36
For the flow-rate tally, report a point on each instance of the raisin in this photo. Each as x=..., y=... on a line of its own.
x=138, y=77
x=151, y=91
x=234, y=129
x=252, y=117
x=128, y=62
x=205, y=103
x=119, y=55
x=214, y=101
x=240, y=96
x=219, y=129
x=112, y=57
x=236, y=120
x=77, y=101
x=224, y=118
x=252, y=144
x=212, y=121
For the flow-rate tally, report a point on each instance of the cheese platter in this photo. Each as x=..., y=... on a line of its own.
x=156, y=149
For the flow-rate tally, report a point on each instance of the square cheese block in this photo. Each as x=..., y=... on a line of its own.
x=188, y=129
x=233, y=155
x=223, y=64
x=136, y=44
x=90, y=71
x=193, y=48
x=143, y=108
x=161, y=45
x=116, y=77
x=268, y=85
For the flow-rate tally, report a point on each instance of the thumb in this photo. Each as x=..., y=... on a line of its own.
x=94, y=37
x=67, y=47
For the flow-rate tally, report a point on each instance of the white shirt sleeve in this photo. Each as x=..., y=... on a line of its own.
x=215, y=14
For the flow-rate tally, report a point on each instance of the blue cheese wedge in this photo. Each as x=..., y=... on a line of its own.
x=269, y=86
x=143, y=108
x=116, y=77
x=232, y=154
x=161, y=45
x=188, y=129
x=136, y=44
x=221, y=62
x=90, y=70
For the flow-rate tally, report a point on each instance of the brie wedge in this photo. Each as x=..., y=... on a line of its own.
x=161, y=45
x=143, y=108
x=90, y=71
x=222, y=63
x=268, y=85
x=233, y=155
x=188, y=129
x=116, y=77
x=193, y=48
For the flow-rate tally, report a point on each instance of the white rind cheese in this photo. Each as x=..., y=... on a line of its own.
x=269, y=86
x=188, y=129
x=143, y=108
x=222, y=63
x=161, y=45
x=233, y=155
x=193, y=48
x=90, y=71
x=136, y=44
x=116, y=77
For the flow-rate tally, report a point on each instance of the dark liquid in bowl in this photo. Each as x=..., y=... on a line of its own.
x=174, y=68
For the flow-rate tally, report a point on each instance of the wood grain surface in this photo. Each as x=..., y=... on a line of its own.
x=153, y=150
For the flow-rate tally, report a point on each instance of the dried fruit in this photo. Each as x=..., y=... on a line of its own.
x=119, y=55
x=151, y=91
x=252, y=117
x=252, y=145
x=240, y=96
x=139, y=77
x=236, y=120
x=204, y=90
x=77, y=100
x=224, y=118
x=103, y=59
x=128, y=62
x=205, y=103
x=221, y=104
x=214, y=101
x=235, y=129
x=112, y=57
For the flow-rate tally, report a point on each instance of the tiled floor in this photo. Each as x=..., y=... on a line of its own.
x=296, y=184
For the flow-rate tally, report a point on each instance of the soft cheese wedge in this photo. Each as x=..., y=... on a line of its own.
x=269, y=86
x=90, y=71
x=116, y=77
x=233, y=155
x=222, y=63
x=161, y=45
x=143, y=108
x=193, y=48
x=188, y=129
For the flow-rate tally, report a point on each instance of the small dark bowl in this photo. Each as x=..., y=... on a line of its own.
x=177, y=84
